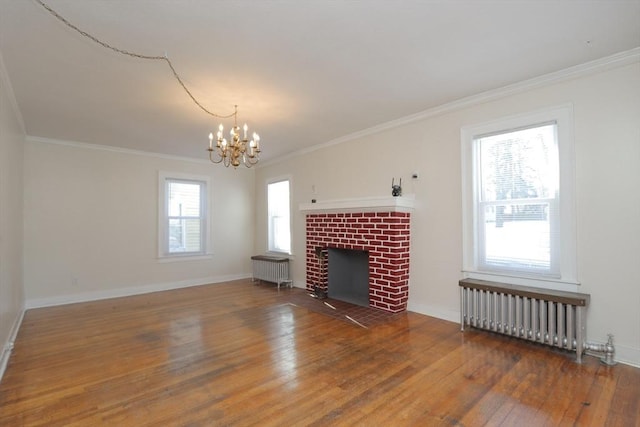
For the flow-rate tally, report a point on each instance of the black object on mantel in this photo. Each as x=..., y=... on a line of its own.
x=396, y=190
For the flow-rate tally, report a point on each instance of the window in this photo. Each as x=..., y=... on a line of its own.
x=518, y=198
x=183, y=215
x=279, y=226
x=517, y=178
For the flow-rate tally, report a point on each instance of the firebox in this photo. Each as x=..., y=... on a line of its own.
x=348, y=276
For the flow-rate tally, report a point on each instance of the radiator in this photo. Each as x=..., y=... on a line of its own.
x=543, y=316
x=271, y=269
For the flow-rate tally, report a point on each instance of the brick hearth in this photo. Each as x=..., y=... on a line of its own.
x=385, y=235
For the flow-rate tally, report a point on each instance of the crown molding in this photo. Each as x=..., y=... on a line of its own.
x=582, y=70
x=120, y=150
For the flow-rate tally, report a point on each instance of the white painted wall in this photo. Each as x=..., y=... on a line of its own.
x=91, y=223
x=11, y=163
x=607, y=139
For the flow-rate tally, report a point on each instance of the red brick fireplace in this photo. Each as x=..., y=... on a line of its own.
x=381, y=227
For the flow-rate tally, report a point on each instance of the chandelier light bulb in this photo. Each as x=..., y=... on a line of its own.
x=245, y=128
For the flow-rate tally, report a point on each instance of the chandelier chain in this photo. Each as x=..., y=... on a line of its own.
x=164, y=58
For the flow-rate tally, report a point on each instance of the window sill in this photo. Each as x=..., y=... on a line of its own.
x=282, y=254
x=523, y=280
x=179, y=258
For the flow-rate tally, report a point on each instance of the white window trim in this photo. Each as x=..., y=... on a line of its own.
x=274, y=180
x=162, y=209
x=563, y=116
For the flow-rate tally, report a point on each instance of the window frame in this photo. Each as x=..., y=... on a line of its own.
x=566, y=278
x=270, y=247
x=164, y=178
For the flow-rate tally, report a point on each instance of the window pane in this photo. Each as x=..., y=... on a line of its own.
x=185, y=235
x=281, y=237
x=279, y=198
x=519, y=165
x=517, y=236
x=176, y=236
x=184, y=199
x=278, y=212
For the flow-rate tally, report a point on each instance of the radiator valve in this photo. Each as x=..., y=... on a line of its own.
x=607, y=351
x=610, y=351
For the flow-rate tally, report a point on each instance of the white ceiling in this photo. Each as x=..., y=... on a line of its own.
x=303, y=72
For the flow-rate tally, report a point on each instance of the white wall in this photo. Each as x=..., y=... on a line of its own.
x=91, y=223
x=11, y=162
x=607, y=139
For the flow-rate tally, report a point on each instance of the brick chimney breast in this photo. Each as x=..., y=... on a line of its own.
x=385, y=235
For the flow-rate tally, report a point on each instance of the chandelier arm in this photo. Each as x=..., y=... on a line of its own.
x=211, y=157
x=253, y=162
x=248, y=162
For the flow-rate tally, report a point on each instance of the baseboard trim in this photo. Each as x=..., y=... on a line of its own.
x=627, y=355
x=8, y=345
x=427, y=310
x=128, y=291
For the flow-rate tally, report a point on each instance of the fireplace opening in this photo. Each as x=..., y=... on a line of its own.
x=348, y=276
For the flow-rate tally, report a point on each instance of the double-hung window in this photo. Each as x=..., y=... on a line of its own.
x=183, y=215
x=518, y=198
x=279, y=222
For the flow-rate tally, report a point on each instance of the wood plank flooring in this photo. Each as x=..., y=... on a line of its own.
x=237, y=354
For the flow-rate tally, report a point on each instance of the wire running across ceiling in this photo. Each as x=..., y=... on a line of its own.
x=163, y=58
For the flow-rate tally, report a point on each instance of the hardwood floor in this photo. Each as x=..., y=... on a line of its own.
x=241, y=354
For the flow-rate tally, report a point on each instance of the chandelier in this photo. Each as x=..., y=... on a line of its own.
x=237, y=150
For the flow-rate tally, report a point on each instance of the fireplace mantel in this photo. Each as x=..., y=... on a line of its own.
x=362, y=204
